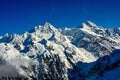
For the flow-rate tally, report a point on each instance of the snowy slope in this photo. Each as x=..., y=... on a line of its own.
x=48, y=53
x=95, y=39
x=106, y=68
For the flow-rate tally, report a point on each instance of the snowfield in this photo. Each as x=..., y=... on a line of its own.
x=48, y=53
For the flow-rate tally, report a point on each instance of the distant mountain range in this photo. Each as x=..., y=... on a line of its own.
x=89, y=52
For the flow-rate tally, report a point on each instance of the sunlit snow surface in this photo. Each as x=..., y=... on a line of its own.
x=34, y=53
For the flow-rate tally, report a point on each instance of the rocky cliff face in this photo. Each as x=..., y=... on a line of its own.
x=48, y=53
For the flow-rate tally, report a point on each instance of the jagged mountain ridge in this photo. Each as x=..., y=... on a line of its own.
x=45, y=50
x=99, y=41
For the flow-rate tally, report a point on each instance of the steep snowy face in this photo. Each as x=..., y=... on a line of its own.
x=13, y=64
x=97, y=40
x=104, y=68
x=48, y=53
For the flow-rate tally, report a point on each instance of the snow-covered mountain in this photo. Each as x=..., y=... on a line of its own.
x=95, y=39
x=48, y=53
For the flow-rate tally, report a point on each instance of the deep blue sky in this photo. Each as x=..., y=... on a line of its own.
x=17, y=16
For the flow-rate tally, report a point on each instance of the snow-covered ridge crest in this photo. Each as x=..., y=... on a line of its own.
x=45, y=50
x=91, y=24
x=88, y=24
x=47, y=28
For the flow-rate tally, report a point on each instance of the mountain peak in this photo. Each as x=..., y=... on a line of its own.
x=49, y=27
x=47, y=24
x=46, y=28
x=45, y=52
x=91, y=24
